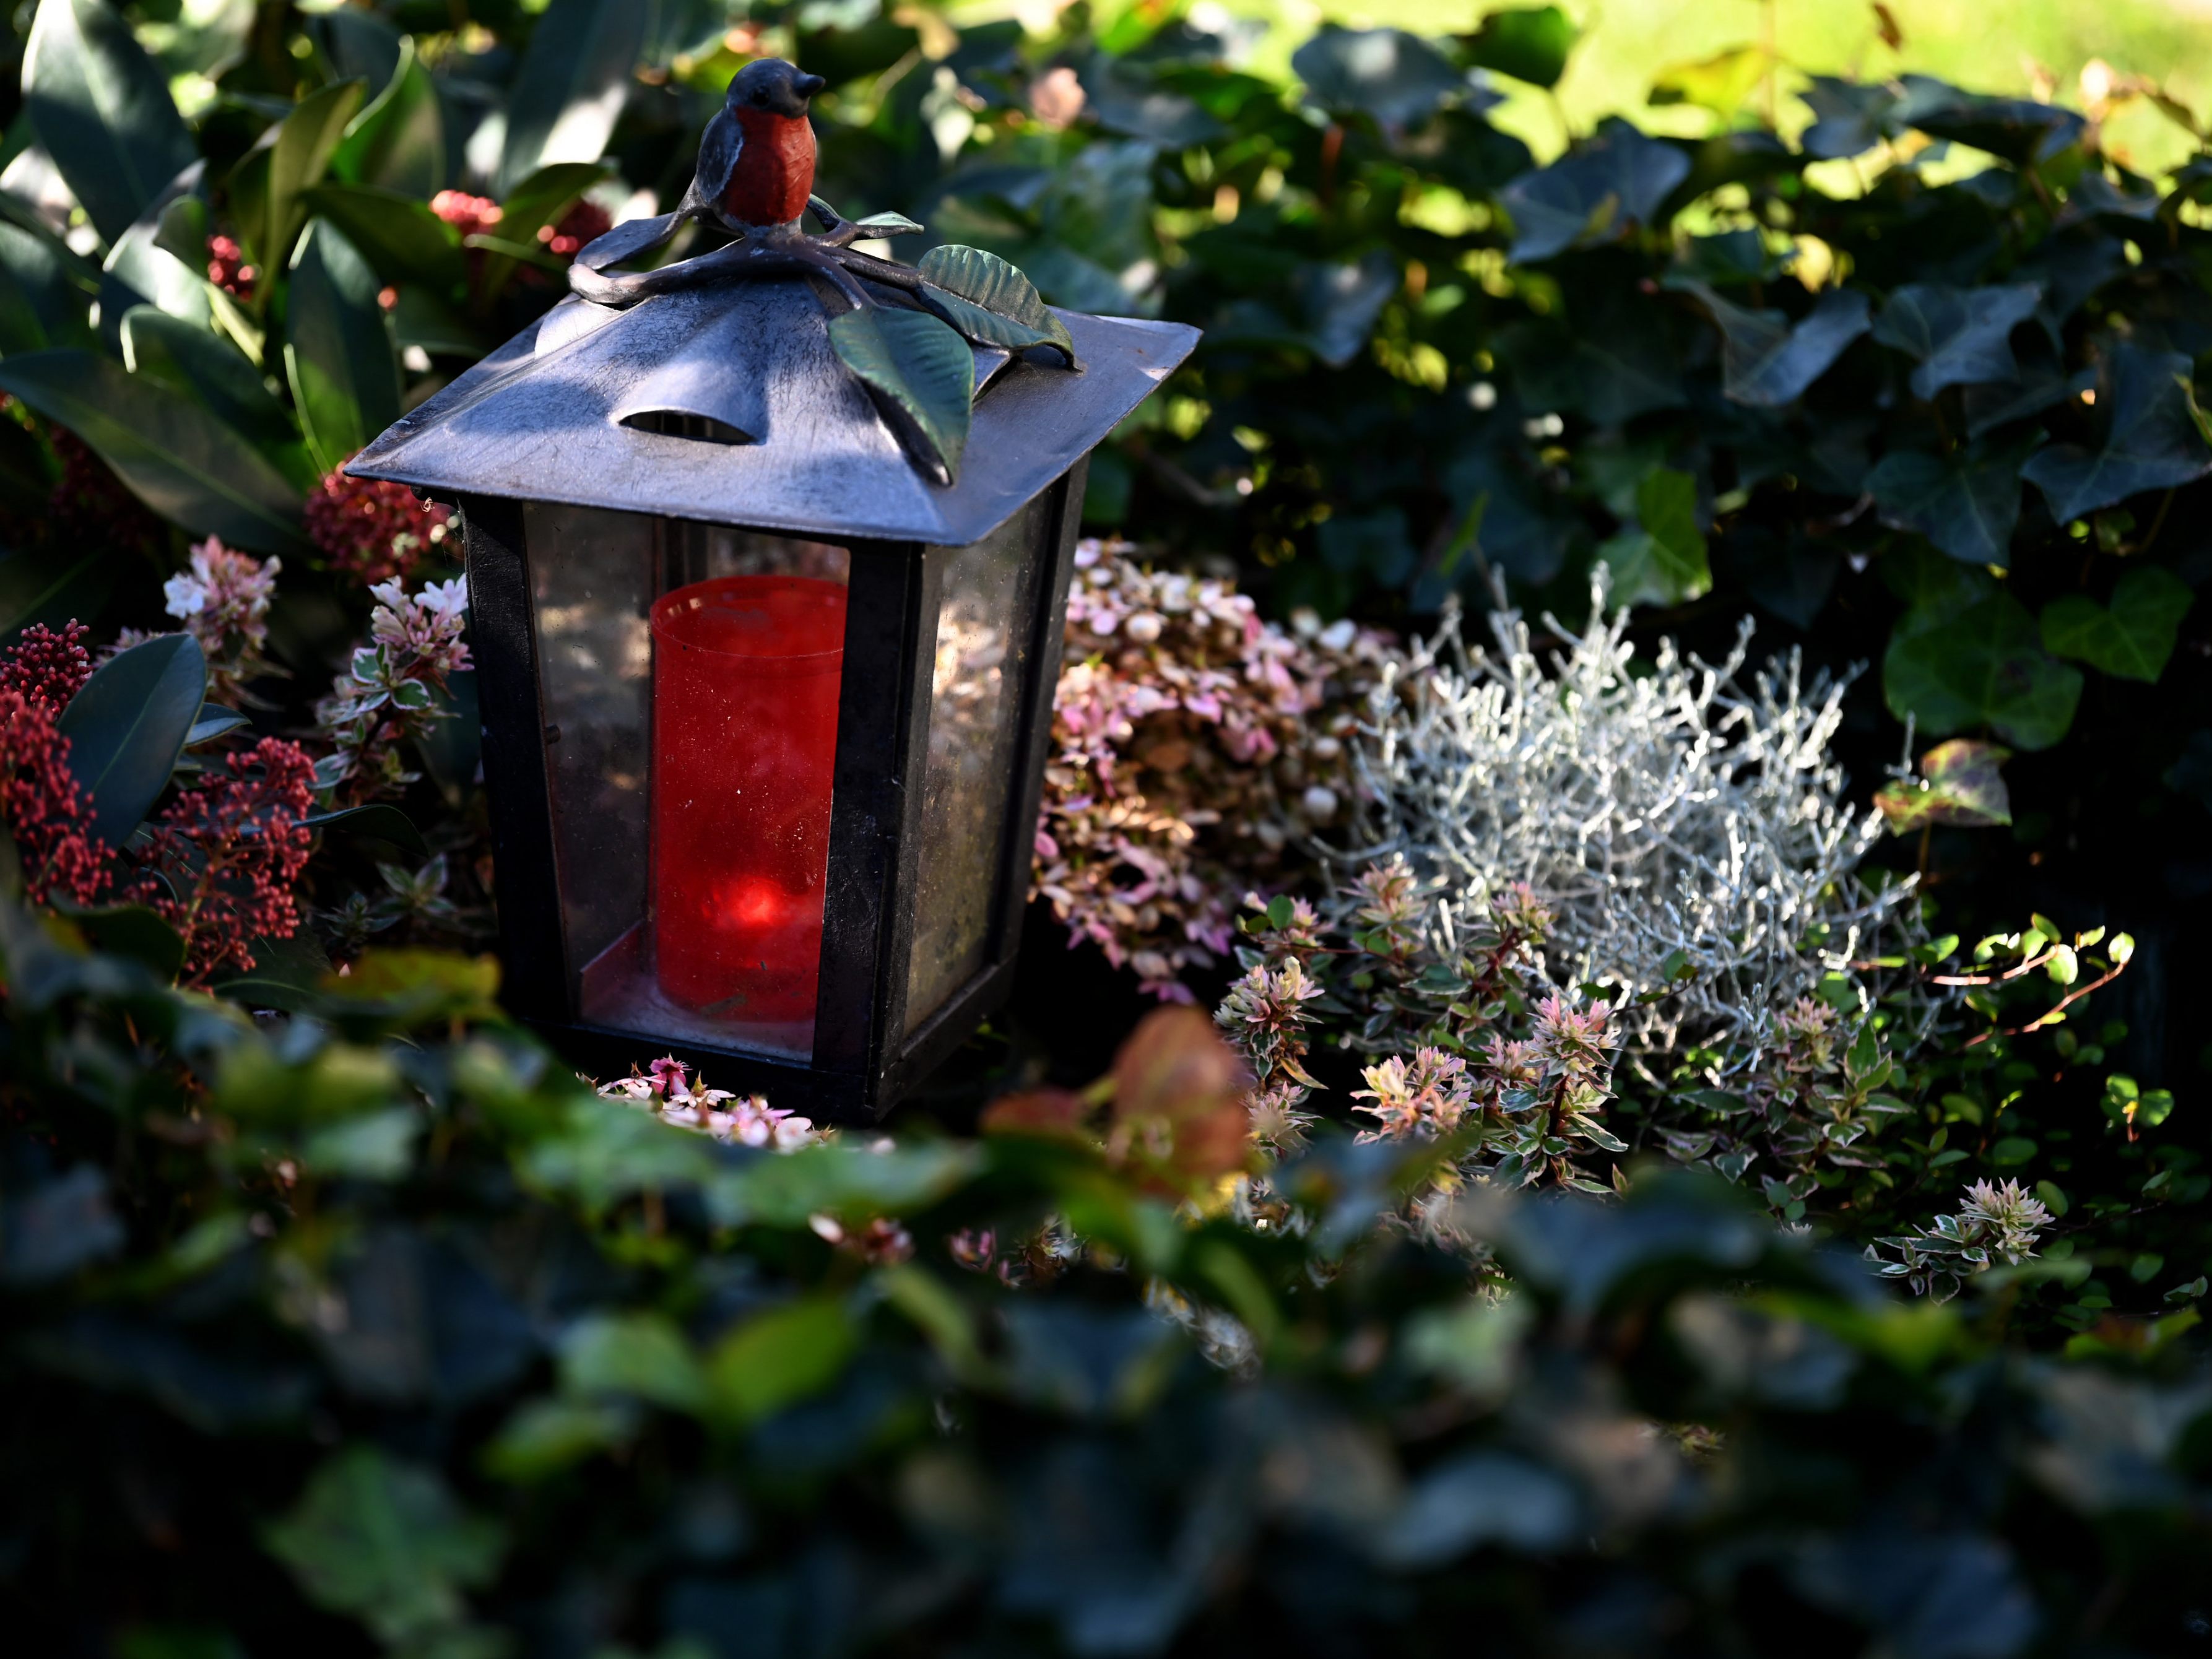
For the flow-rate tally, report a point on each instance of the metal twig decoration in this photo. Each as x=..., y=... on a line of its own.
x=903, y=330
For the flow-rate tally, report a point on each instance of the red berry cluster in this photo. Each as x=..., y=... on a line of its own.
x=372, y=529
x=47, y=667
x=46, y=808
x=580, y=226
x=227, y=267
x=233, y=849
x=466, y=213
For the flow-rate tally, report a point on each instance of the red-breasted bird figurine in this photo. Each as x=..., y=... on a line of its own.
x=756, y=159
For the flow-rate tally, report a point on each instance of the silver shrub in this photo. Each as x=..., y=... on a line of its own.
x=1684, y=819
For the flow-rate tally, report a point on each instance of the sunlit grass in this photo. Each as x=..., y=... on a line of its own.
x=1988, y=45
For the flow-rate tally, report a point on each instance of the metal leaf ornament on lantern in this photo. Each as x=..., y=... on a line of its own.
x=904, y=330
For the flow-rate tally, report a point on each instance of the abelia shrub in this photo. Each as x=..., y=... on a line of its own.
x=1196, y=750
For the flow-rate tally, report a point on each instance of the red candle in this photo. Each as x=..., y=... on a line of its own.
x=746, y=672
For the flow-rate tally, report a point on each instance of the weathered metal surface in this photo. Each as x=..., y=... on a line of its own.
x=542, y=419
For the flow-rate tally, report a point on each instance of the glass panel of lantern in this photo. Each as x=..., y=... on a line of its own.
x=691, y=675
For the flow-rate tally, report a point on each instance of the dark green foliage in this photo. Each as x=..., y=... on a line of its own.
x=323, y=1345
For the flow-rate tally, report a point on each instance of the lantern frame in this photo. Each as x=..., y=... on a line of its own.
x=864, y=1058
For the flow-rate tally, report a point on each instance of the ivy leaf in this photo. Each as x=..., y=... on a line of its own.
x=129, y=724
x=984, y=281
x=386, y=1542
x=1966, y=501
x=1619, y=179
x=2156, y=440
x=1397, y=79
x=344, y=374
x=1529, y=43
x=102, y=110
x=1959, y=783
x=1609, y=363
x=2133, y=638
x=2021, y=130
x=1341, y=301
x=782, y=1357
x=1767, y=360
x=1663, y=560
x=922, y=376
x=1719, y=83
x=1984, y=666
x=1958, y=336
x=1849, y=117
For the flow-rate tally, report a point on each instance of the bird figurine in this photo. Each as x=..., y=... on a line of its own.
x=756, y=159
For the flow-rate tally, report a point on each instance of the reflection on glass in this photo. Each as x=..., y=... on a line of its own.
x=974, y=724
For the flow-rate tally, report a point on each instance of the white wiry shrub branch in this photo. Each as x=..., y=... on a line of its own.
x=1684, y=820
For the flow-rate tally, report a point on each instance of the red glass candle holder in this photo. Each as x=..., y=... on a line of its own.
x=745, y=675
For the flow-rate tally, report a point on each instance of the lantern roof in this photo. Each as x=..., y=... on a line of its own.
x=586, y=407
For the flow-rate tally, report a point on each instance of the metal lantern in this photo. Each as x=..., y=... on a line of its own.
x=766, y=702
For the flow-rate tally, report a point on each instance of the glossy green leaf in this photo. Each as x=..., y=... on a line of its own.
x=134, y=932
x=1661, y=560
x=40, y=292
x=571, y=86
x=266, y=187
x=2154, y=441
x=102, y=110
x=2134, y=637
x=641, y=1354
x=398, y=142
x=1960, y=783
x=175, y=454
x=129, y=724
x=51, y=586
x=921, y=373
x=1984, y=666
x=1396, y=78
x=1958, y=335
x=402, y=239
x=1529, y=43
x=199, y=362
x=385, y=1542
x=1964, y=501
x=378, y=821
x=139, y=271
x=1766, y=360
x=338, y=353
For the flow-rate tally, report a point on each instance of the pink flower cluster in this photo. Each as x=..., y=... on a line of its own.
x=222, y=599
x=667, y=1089
x=389, y=693
x=1194, y=749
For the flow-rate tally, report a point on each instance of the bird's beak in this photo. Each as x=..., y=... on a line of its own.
x=792, y=96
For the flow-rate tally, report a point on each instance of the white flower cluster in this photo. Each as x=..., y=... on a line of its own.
x=1683, y=820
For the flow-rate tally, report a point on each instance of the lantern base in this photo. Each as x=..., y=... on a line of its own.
x=619, y=992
